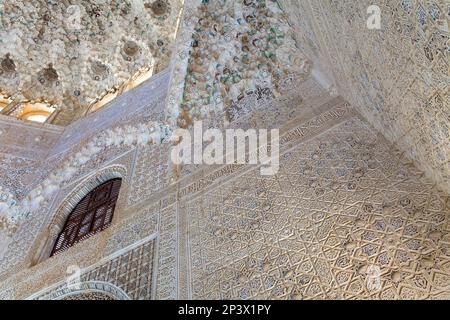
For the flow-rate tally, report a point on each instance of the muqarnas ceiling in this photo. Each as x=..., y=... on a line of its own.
x=235, y=49
x=71, y=53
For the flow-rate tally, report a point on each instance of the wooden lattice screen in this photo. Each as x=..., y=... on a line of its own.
x=90, y=216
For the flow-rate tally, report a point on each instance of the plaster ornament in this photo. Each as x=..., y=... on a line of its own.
x=3, y=209
x=158, y=8
x=141, y=134
x=68, y=34
x=131, y=49
x=68, y=173
x=50, y=190
x=332, y=90
x=212, y=84
x=8, y=67
x=36, y=202
x=233, y=45
x=5, y=240
x=100, y=71
x=48, y=76
x=9, y=77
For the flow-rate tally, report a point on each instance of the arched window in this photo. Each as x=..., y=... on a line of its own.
x=90, y=216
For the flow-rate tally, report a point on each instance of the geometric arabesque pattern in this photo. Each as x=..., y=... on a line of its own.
x=397, y=76
x=89, y=296
x=343, y=207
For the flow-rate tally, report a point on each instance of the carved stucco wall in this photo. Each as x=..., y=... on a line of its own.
x=144, y=102
x=23, y=147
x=345, y=200
x=397, y=77
x=344, y=203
